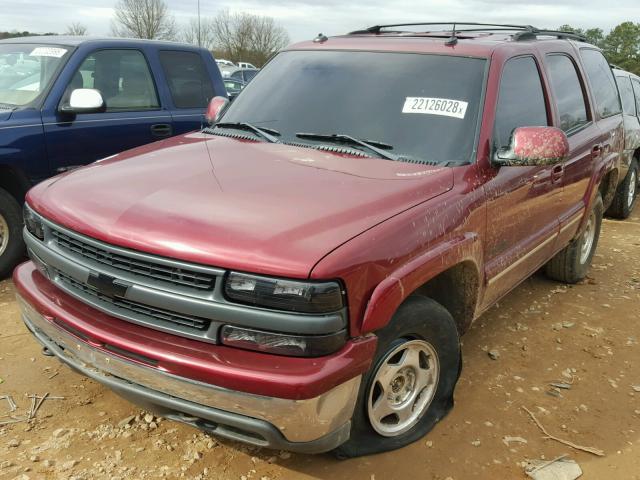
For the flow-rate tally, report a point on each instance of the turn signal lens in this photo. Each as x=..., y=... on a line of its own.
x=32, y=222
x=282, y=344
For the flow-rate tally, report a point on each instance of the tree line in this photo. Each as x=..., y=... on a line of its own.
x=621, y=45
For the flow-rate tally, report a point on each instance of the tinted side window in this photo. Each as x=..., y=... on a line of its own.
x=567, y=91
x=189, y=82
x=626, y=95
x=636, y=90
x=602, y=82
x=521, y=99
x=122, y=77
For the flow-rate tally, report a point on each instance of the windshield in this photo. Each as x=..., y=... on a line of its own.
x=423, y=106
x=26, y=70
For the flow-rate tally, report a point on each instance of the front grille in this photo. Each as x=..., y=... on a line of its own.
x=148, y=314
x=143, y=268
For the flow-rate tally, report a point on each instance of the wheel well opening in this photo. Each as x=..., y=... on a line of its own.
x=608, y=187
x=456, y=289
x=13, y=182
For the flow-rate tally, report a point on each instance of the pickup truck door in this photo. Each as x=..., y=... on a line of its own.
x=522, y=212
x=134, y=115
x=190, y=86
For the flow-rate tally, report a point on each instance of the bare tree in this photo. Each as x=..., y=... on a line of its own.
x=203, y=36
x=246, y=37
x=143, y=19
x=76, y=29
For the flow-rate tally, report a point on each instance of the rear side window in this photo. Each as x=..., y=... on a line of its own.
x=626, y=95
x=521, y=99
x=188, y=80
x=567, y=91
x=636, y=90
x=602, y=82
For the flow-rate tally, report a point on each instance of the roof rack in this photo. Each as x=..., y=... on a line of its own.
x=522, y=32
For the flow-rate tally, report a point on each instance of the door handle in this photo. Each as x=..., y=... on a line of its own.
x=596, y=151
x=161, y=130
x=557, y=173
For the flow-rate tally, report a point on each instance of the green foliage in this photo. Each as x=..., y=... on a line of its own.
x=621, y=45
x=15, y=34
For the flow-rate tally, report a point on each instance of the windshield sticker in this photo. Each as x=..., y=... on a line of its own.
x=435, y=106
x=48, y=52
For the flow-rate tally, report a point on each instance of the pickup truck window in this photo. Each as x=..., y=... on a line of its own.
x=567, y=91
x=636, y=90
x=123, y=78
x=520, y=99
x=392, y=98
x=626, y=95
x=26, y=71
x=187, y=77
x=602, y=82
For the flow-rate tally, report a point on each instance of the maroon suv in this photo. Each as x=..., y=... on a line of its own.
x=298, y=274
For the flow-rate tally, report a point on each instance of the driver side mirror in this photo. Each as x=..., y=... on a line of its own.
x=84, y=100
x=534, y=146
x=216, y=108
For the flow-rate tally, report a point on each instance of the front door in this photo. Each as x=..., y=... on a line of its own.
x=133, y=116
x=522, y=212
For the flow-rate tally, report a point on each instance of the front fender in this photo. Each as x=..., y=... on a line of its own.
x=393, y=290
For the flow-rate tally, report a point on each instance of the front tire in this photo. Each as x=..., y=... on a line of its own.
x=410, y=385
x=11, y=243
x=626, y=194
x=571, y=264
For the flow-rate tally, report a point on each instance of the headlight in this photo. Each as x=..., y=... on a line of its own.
x=32, y=222
x=292, y=295
x=281, y=343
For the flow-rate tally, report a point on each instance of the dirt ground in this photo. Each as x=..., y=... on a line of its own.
x=585, y=337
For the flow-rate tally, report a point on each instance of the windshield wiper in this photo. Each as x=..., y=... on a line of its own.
x=372, y=145
x=266, y=133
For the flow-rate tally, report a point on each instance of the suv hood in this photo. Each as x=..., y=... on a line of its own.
x=238, y=204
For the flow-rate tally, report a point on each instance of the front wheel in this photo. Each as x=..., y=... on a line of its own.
x=11, y=244
x=410, y=385
x=571, y=264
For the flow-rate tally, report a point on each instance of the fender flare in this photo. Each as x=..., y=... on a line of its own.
x=394, y=289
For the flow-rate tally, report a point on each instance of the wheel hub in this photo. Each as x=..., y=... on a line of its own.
x=4, y=235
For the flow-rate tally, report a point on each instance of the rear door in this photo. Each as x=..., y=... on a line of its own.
x=574, y=116
x=133, y=116
x=190, y=88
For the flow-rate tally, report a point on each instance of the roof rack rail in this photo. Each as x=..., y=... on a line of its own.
x=522, y=32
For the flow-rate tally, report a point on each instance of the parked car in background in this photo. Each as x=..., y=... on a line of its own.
x=299, y=274
x=627, y=192
x=233, y=87
x=244, y=74
x=225, y=63
x=246, y=65
x=68, y=101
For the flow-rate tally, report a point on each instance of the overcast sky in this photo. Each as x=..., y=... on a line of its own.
x=305, y=19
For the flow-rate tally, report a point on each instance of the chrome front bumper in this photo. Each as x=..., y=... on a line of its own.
x=310, y=426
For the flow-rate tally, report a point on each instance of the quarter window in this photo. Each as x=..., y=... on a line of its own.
x=122, y=77
x=189, y=83
x=626, y=95
x=521, y=99
x=567, y=91
x=602, y=82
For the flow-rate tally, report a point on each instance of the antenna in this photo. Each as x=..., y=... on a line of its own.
x=452, y=40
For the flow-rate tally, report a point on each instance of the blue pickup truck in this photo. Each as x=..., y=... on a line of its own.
x=68, y=101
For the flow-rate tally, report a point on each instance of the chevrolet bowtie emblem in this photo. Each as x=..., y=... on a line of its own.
x=107, y=285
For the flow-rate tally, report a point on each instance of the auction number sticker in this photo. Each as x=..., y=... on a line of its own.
x=48, y=52
x=435, y=106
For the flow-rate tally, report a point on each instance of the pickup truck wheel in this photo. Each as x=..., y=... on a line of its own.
x=572, y=263
x=625, y=197
x=410, y=385
x=11, y=244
